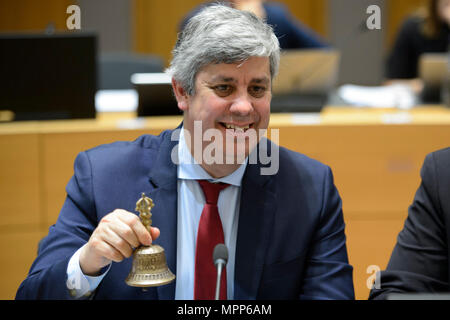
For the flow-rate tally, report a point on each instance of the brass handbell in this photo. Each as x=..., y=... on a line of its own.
x=149, y=267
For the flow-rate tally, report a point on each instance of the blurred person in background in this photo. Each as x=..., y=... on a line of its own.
x=426, y=31
x=291, y=33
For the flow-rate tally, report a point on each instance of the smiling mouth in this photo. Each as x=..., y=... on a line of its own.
x=236, y=128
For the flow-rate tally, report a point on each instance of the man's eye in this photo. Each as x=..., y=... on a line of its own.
x=223, y=90
x=257, y=91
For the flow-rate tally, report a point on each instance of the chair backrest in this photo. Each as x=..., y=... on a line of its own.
x=115, y=69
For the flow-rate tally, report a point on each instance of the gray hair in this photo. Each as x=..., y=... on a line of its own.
x=221, y=34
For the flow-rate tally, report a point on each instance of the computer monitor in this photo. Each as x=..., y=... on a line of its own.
x=305, y=79
x=155, y=94
x=433, y=71
x=307, y=71
x=46, y=77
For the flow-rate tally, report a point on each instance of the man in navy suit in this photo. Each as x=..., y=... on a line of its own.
x=280, y=213
x=420, y=260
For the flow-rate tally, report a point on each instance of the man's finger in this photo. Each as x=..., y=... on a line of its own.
x=136, y=225
x=126, y=232
x=109, y=252
x=118, y=243
x=154, y=231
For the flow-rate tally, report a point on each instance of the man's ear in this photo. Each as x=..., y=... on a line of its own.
x=181, y=95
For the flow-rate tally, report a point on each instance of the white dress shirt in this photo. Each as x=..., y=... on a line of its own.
x=190, y=205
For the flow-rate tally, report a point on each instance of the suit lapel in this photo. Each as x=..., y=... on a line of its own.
x=163, y=191
x=256, y=215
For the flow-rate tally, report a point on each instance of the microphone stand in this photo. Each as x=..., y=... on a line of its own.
x=220, y=264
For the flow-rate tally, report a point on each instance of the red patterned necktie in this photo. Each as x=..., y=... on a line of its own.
x=209, y=234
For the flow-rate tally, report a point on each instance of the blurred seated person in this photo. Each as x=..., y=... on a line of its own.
x=425, y=32
x=291, y=33
x=420, y=260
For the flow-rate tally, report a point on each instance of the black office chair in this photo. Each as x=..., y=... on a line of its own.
x=115, y=69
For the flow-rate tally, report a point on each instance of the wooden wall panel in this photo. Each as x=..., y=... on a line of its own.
x=19, y=180
x=313, y=13
x=19, y=249
x=370, y=243
x=156, y=22
x=398, y=11
x=32, y=15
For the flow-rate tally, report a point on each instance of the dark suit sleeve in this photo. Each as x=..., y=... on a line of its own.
x=47, y=277
x=291, y=33
x=419, y=260
x=328, y=274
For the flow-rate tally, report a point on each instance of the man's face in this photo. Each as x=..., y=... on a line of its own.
x=232, y=98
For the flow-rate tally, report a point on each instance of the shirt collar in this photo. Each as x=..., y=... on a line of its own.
x=189, y=169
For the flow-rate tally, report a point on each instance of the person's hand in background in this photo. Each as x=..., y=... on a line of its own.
x=443, y=8
x=254, y=6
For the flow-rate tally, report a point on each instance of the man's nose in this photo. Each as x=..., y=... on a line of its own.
x=242, y=105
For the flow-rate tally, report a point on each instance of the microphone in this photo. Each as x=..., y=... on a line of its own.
x=220, y=259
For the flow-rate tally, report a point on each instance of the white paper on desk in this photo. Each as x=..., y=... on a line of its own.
x=391, y=96
x=116, y=100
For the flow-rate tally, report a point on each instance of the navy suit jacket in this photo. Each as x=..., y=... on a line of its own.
x=291, y=33
x=420, y=260
x=290, y=242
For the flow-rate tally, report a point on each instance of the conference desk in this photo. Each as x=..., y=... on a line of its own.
x=375, y=155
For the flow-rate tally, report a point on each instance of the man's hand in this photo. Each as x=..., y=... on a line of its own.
x=114, y=239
